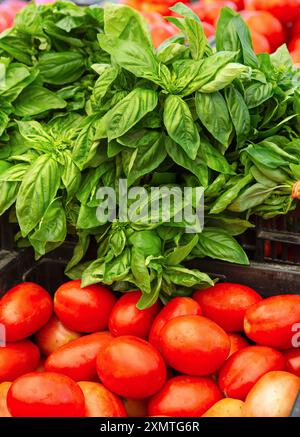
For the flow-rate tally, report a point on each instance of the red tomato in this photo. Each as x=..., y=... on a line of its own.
x=45, y=395
x=131, y=367
x=77, y=359
x=260, y=43
x=179, y=306
x=7, y=14
x=292, y=358
x=54, y=335
x=243, y=369
x=237, y=342
x=296, y=27
x=266, y=24
x=100, y=402
x=209, y=29
x=209, y=10
x=296, y=58
x=4, y=387
x=127, y=319
x=194, y=345
x=294, y=44
x=161, y=32
x=239, y=4
x=226, y=303
x=24, y=309
x=83, y=309
x=284, y=10
x=271, y=321
x=136, y=407
x=18, y=358
x=185, y=396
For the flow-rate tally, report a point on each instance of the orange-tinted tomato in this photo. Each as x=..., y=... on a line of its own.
x=284, y=10
x=260, y=43
x=100, y=402
x=194, y=345
x=127, y=319
x=24, y=309
x=77, y=359
x=243, y=369
x=237, y=342
x=131, y=367
x=45, y=395
x=294, y=44
x=272, y=321
x=4, y=387
x=179, y=306
x=83, y=309
x=18, y=358
x=54, y=335
x=226, y=304
x=184, y=396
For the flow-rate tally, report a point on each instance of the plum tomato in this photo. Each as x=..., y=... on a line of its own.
x=83, y=309
x=260, y=43
x=285, y=10
x=4, y=387
x=100, y=402
x=24, y=309
x=292, y=358
x=185, y=396
x=127, y=319
x=237, y=342
x=244, y=368
x=18, y=358
x=226, y=304
x=194, y=345
x=179, y=306
x=131, y=367
x=136, y=407
x=227, y=407
x=45, y=394
x=77, y=359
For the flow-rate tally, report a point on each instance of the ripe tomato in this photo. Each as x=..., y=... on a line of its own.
x=17, y=359
x=209, y=29
x=284, y=10
x=294, y=44
x=24, y=309
x=260, y=43
x=295, y=55
x=83, y=309
x=194, y=345
x=243, y=369
x=296, y=27
x=226, y=408
x=266, y=24
x=127, y=319
x=209, y=10
x=54, y=335
x=271, y=321
x=292, y=358
x=237, y=342
x=161, y=32
x=184, y=396
x=136, y=407
x=77, y=359
x=100, y=402
x=45, y=395
x=4, y=387
x=179, y=306
x=226, y=303
x=273, y=395
x=131, y=367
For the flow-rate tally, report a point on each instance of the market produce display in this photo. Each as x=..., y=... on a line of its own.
x=86, y=102
x=174, y=361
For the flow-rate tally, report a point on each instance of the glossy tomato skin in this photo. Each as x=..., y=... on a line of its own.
x=194, y=345
x=284, y=10
x=131, y=367
x=271, y=321
x=260, y=43
x=18, y=358
x=185, y=396
x=45, y=394
x=4, y=387
x=244, y=368
x=54, y=335
x=127, y=319
x=292, y=358
x=77, y=359
x=226, y=408
x=237, y=342
x=179, y=306
x=83, y=309
x=24, y=309
x=294, y=44
x=226, y=304
x=100, y=402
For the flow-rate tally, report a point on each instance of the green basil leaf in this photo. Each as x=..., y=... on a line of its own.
x=251, y=197
x=239, y=114
x=79, y=250
x=36, y=99
x=225, y=76
x=139, y=270
x=180, y=253
x=61, y=68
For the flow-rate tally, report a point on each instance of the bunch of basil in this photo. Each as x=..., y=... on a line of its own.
x=87, y=100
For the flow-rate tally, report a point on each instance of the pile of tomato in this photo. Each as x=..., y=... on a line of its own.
x=8, y=11
x=224, y=352
x=271, y=22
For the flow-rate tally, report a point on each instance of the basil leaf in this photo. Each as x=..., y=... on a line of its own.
x=239, y=114
x=35, y=99
x=180, y=125
x=139, y=270
x=250, y=198
x=61, y=68
x=180, y=253
x=79, y=250
x=225, y=76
